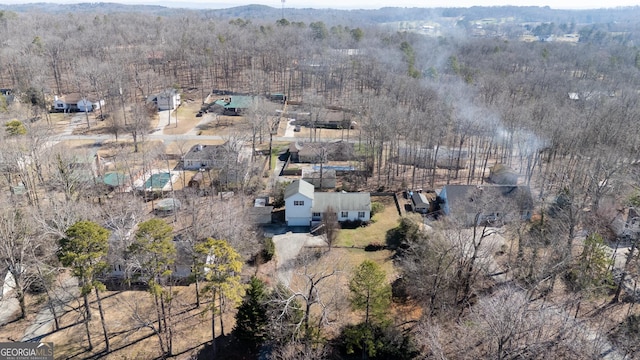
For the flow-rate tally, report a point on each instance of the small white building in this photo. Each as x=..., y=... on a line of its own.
x=76, y=102
x=298, y=201
x=168, y=99
x=89, y=105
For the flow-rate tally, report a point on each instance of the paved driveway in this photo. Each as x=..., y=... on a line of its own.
x=288, y=246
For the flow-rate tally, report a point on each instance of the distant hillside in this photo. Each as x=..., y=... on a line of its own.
x=384, y=15
x=97, y=7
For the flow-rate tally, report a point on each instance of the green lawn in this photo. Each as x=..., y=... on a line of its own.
x=354, y=257
x=275, y=151
x=374, y=232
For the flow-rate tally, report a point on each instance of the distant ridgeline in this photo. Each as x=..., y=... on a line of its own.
x=333, y=16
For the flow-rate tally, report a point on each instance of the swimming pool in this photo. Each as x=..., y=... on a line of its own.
x=157, y=181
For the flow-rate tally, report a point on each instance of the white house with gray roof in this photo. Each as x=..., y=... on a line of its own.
x=168, y=99
x=303, y=206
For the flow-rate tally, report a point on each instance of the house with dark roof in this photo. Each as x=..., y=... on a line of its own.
x=486, y=204
x=123, y=271
x=318, y=152
x=303, y=206
x=208, y=157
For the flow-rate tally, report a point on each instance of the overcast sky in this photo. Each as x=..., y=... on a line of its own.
x=360, y=4
x=376, y=4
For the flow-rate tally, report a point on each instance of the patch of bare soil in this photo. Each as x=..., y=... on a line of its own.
x=96, y=127
x=224, y=125
x=183, y=119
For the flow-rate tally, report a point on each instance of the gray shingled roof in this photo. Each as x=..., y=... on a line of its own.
x=419, y=199
x=299, y=186
x=342, y=201
x=488, y=198
x=206, y=152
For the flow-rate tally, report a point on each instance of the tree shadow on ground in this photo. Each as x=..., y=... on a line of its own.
x=394, y=238
x=228, y=349
x=397, y=237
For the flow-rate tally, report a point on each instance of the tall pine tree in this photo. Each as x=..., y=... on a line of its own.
x=252, y=319
x=84, y=249
x=222, y=269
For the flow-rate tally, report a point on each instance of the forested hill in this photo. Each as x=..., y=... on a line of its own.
x=384, y=15
x=94, y=7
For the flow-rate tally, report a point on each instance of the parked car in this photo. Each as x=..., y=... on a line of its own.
x=296, y=128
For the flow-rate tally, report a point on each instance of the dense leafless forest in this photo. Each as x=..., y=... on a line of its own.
x=555, y=101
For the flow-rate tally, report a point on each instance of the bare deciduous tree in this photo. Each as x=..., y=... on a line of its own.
x=330, y=226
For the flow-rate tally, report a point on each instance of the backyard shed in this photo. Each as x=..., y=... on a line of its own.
x=420, y=203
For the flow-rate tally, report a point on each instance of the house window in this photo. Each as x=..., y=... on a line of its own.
x=298, y=203
x=344, y=214
x=360, y=214
x=316, y=214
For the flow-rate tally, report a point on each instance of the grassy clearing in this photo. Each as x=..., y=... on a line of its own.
x=376, y=231
x=354, y=257
x=344, y=261
x=224, y=125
